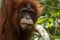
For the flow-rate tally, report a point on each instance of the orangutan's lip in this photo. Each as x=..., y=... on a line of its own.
x=27, y=24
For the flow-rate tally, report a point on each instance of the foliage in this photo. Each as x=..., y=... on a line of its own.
x=50, y=18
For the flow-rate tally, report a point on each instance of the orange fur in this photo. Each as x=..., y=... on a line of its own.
x=33, y=2
x=9, y=28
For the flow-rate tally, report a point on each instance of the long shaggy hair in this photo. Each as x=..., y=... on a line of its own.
x=9, y=28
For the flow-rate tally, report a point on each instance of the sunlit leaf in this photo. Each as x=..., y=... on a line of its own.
x=48, y=24
x=58, y=13
x=41, y=20
x=55, y=37
x=51, y=19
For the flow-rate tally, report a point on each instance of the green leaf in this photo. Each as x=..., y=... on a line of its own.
x=48, y=24
x=50, y=19
x=58, y=13
x=41, y=20
x=55, y=37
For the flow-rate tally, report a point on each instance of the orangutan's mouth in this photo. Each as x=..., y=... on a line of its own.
x=27, y=24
